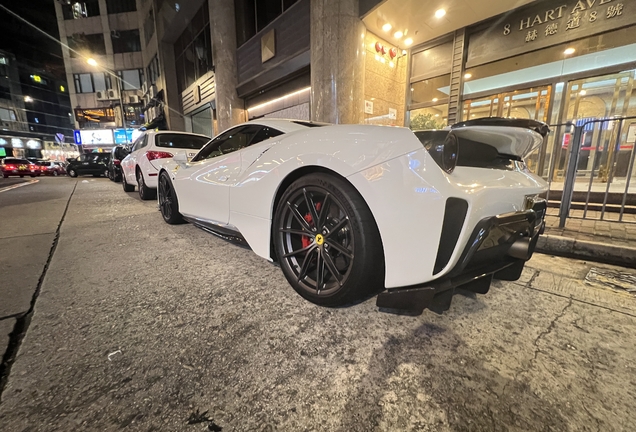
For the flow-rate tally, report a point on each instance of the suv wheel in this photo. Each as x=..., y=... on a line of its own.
x=72, y=172
x=145, y=193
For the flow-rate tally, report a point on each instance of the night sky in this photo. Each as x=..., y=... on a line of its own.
x=27, y=44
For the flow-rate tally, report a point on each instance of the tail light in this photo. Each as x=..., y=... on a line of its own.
x=116, y=162
x=34, y=168
x=152, y=155
x=10, y=167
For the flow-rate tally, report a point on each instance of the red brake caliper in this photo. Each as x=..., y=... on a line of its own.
x=305, y=240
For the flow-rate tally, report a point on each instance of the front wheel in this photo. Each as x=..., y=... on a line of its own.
x=327, y=242
x=72, y=172
x=145, y=193
x=168, y=203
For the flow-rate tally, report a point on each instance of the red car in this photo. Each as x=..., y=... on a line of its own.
x=51, y=168
x=19, y=167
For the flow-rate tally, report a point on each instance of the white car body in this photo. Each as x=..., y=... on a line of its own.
x=137, y=160
x=403, y=186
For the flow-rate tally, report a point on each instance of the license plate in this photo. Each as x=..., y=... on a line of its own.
x=22, y=167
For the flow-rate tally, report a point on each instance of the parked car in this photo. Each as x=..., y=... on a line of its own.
x=141, y=167
x=89, y=163
x=348, y=209
x=51, y=168
x=114, y=164
x=18, y=167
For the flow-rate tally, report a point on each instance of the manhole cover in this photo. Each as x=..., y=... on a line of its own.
x=617, y=280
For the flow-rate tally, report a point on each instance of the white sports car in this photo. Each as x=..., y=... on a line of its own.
x=347, y=210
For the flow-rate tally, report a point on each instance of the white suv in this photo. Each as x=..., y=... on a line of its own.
x=141, y=167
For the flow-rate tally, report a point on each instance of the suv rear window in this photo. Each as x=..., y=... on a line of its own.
x=16, y=161
x=181, y=141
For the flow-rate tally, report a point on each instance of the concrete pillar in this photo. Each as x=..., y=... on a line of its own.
x=229, y=107
x=337, y=61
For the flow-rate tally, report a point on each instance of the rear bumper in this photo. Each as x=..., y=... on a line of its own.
x=498, y=248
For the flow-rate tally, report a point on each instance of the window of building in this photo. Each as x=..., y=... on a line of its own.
x=131, y=79
x=86, y=44
x=121, y=6
x=7, y=115
x=253, y=16
x=83, y=83
x=77, y=10
x=125, y=41
x=149, y=26
x=5, y=92
x=153, y=70
x=192, y=50
x=101, y=81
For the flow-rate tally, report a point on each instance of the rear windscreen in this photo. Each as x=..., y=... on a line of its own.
x=181, y=141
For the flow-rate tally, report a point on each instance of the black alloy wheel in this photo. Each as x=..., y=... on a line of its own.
x=72, y=172
x=125, y=185
x=327, y=242
x=168, y=204
x=145, y=193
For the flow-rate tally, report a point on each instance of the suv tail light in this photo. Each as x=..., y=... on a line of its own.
x=152, y=155
x=10, y=167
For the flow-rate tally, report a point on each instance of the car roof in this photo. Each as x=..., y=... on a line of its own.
x=161, y=132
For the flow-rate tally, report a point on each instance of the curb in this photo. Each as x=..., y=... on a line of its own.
x=587, y=250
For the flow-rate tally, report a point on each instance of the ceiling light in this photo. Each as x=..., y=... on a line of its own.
x=582, y=92
x=440, y=13
x=569, y=51
x=382, y=60
x=434, y=99
x=391, y=64
x=408, y=41
x=412, y=89
x=436, y=115
x=467, y=76
x=387, y=27
x=398, y=34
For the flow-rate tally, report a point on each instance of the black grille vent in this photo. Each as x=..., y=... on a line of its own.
x=454, y=217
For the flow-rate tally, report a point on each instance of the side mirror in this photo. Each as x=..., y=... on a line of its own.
x=181, y=158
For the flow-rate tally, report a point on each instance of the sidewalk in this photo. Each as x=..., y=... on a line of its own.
x=591, y=239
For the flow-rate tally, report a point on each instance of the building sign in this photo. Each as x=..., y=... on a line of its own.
x=3, y=152
x=78, y=137
x=368, y=107
x=97, y=137
x=126, y=136
x=547, y=23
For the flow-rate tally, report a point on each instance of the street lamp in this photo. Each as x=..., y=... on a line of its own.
x=93, y=62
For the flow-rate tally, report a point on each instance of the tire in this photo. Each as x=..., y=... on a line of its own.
x=55, y=174
x=21, y=176
x=106, y=172
x=5, y=176
x=168, y=203
x=72, y=172
x=33, y=175
x=125, y=185
x=145, y=193
x=340, y=259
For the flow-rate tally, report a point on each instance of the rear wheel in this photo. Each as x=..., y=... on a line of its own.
x=55, y=173
x=125, y=185
x=145, y=193
x=168, y=203
x=327, y=242
x=72, y=172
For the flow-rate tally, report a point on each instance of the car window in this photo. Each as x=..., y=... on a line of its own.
x=228, y=142
x=82, y=158
x=139, y=143
x=264, y=134
x=181, y=141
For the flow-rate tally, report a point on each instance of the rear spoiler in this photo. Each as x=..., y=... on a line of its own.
x=511, y=137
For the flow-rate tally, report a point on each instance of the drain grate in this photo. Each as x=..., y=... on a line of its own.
x=614, y=279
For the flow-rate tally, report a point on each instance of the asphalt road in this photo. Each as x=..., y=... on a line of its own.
x=139, y=325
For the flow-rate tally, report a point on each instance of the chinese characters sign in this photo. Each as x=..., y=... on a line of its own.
x=547, y=23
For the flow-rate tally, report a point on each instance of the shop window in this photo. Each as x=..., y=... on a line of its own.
x=433, y=117
x=431, y=90
x=86, y=44
x=121, y=6
x=78, y=10
x=432, y=62
x=125, y=41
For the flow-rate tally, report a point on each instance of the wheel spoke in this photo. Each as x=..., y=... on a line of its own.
x=312, y=207
x=331, y=266
x=301, y=220
x=324, y=211
x=296, y=252
x=305, y=265
x=340, y=225
x=320, y=271
x=295, y=231
x=340, y=248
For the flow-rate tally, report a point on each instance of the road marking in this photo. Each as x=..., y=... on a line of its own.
x=8, y=188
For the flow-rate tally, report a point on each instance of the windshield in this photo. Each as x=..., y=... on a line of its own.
x=181, y=141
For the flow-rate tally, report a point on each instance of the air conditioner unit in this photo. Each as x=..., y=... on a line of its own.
x=101, y=95
x=113, y=94
x=133, y=99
